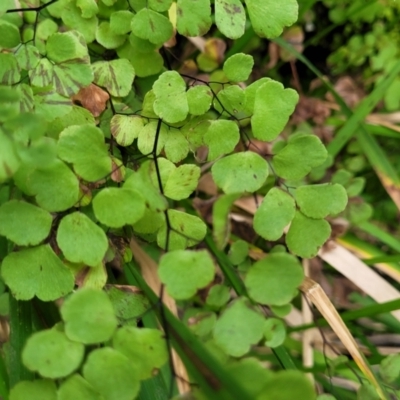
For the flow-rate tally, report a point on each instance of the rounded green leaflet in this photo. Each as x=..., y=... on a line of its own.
x=274, y=214
x=288, y=384
x=273, y=105
x=177, y=146
x=186, y=231
x=9, y=35
x=268, y=17
x=238, y=328
x=186, y=271
x=61, y=47
x=182, y=181
x=147, y=136
x=218, y=296
x=88, y=8
x=126, y=128
x=306, y=235
x=221, y=138
x=274, y=279
x=230, y=18
x=238, y=252
x=81, y=240
x=89, y=316
x=28, y=56
x=302, y=153
x=9, y=160
x=389, y=368
x=193, y=18
x=112, y=374
x=24, y=223
x=41, y=389
x=199, y=99
x=150, y=25
x=160, y=5
x=320, y=201
x=250, y=94
x=147, y=348
x=71, y=77
x=75, y=387
x=274, y=332
x=84, y=147
x=201, y=323
x=281, y=311
x=116, y=76
x=52, y=354
x=171, y=102
x=55, y=188
x=359, y=212
x=240, y=172
x=116, y=207
x=220, y=216
x=107, y=38
x=9, y=70
x=37, y=272
x=120, y=22
x=230, y=101
x=238, y=67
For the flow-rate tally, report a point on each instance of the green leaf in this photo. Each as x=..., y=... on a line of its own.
x=126, y=128
x=75, y=387
x=147, y=138
x=42, y=74
x=116, y=76
x=84, y=147
x=193, y=18
x=88, y=8
x=81, y=240
x=230, y=101
x=9, y=35
x=112, y=374
x=238, y=252
x=274, y=332
x=320, y=201
x=389, y=368
x=186, y=231
x=184, y=272
x=240, y=172
x=107, y=38
x=120, y=22
x=230, y=18
x=28, y=56
x=176, y=147
x=52, y=354
x=307, y=235
x=273, y=106
x=287, y=385
x=68, y=78
x=89, y=316
x=24, y=223
x=218, y=296
x=147, y=348
x=275, y=212
x=56, y=188
x=220, y=215
x=182, y=182
x=250, y=94
x=160, y=5
x=221, y=137
x=274, y=279
x=302, y=153
x=269, y=17
x=116, y=207
x=171, y=101
x=238, y=67
x=199, y=99
x=66, y=46
x=37, y=272
x=141, y=182
x=238, y=328
x=43, y=389
x=9, y=160
x=9, y=70
x=150, y=25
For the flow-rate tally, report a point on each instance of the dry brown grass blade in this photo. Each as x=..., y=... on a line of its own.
x=318, y=297
x=149, y=272
x=359, y=273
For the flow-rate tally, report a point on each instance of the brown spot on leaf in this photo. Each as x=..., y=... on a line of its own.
x=92, y=98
